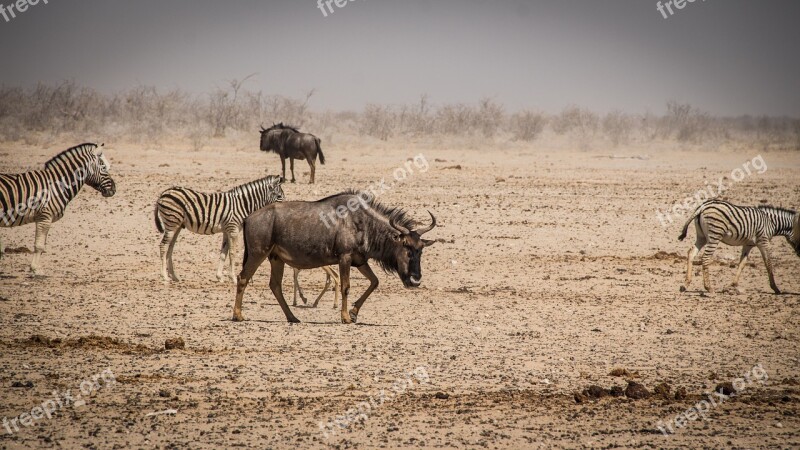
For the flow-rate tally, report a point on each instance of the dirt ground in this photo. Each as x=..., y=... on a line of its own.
x=552, y=272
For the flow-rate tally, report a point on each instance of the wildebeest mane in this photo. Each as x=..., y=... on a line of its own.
x=380, y=245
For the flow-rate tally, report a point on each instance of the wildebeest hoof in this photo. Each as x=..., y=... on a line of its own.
x=238, y=317
x=354, y=315
x=293, y=320
x=777, y=291
x=683, y=288
x=346, y=318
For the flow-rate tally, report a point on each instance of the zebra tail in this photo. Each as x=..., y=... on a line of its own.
x=159, y=226
x=319, y=152
x=688, y=222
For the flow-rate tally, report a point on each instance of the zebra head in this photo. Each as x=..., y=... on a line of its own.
x=275, y=190
x=98, y=177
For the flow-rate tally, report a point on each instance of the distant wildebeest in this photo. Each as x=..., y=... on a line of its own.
x=330, y=275
x=289, y=142
x=295, y=233
x=210, y=213
x=42, y=196
x=719, y=221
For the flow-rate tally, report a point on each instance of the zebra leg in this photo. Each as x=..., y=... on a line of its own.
x=297, y=289
x=763, y=246
x=708, y=255
x=327, y=284
x=742, y=261
x=170, y=264
x=223, y=254
x=699, y=243
x=336, y=287
x=291, y=166
x=166, y=239
x=233, y=242
x=42, y=228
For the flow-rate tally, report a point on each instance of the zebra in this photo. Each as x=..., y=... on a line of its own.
x=719, y=221
x=42, y=196
x=210, y=213
x=330, y=275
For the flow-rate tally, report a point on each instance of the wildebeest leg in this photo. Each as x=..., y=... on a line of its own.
x=291, y=166
x=42, y=228
x=275, y=283
x=249, y=268
x=298, y=289
x=170, y=265
x=763, y=246
x=365, y=270
x=223, y=254
x=699, y=243
x=742, y=261
x=313, y=168
x=344, y=283
x=283, y=167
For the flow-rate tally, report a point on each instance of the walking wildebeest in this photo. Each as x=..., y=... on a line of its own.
x=289, y=142
x=347, y=229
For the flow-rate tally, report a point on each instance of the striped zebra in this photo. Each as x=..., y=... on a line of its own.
x=204, y=213
x=742, y=226
x=42, y=196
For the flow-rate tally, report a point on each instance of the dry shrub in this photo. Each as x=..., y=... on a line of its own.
x=527, y=125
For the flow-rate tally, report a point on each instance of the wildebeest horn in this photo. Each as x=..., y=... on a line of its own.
x=400, y=229
x=433, y=224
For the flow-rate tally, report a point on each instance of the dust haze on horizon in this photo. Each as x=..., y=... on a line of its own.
x=725, y=57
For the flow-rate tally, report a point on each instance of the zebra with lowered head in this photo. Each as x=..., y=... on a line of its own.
x=42, y=196
x=211, y=213
x=742, y=226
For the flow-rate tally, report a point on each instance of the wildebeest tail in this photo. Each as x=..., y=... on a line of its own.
x=319, y=151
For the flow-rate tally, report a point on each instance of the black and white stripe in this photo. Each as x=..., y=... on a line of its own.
x=42, y=196
x=210, y=213
x=719, y=221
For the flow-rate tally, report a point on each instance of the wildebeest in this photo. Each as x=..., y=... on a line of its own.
x=330, y=276
x=347, y=229
x=289, y=142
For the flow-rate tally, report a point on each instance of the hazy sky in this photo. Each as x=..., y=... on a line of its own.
x=725, y=56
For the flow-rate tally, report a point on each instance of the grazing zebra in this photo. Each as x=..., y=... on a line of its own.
x=330, y=274
x=42, y=196
x=204, y=213
x=719, y=221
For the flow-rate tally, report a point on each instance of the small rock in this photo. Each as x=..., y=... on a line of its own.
x=164, y=393
x=20, y=384
x=581, y=398
x=595, y=391
x=616, y=391
x=636, y=391
x=441, y=395
x=174, y=344
x=680, y=393
x=662, y=390
x=725, y=388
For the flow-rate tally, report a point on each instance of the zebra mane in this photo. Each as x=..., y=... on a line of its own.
x=243, y=188
x=776, y=208
x=79, y=152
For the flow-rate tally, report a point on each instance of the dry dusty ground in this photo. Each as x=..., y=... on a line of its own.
x=551, y=271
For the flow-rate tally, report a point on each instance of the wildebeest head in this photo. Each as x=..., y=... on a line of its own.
x=407, y=252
